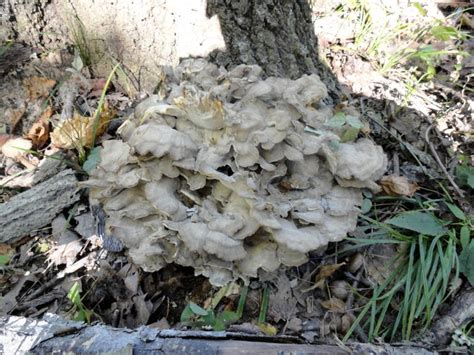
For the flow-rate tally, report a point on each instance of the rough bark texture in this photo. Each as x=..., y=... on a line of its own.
x=36, y=207
x=53, y=335
x=278, y=35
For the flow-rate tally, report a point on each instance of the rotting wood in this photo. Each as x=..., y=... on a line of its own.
x=53, y=334
x=36, y=207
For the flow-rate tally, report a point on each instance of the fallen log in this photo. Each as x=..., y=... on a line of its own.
x=54, y=334
x=37, y=207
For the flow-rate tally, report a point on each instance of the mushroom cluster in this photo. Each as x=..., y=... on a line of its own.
x=230, y=173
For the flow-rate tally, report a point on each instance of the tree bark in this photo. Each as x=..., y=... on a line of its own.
x=37, y=207
x=278, y=35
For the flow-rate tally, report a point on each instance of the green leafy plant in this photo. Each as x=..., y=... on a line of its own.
x=196, y=316
x=80, y=312
x=84, y=161
x=350, y=126
x=466, y=257
x=465, y=175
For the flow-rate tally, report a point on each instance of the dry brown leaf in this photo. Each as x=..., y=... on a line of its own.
x=324, y=272
x=6, y=249
x=334, y=305
x=79, y=130
x=39, y=131
x=3, y=139
x=38, y=87
x=398, y=185
x=14, y=117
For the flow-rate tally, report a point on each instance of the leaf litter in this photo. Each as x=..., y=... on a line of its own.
x=120, y=293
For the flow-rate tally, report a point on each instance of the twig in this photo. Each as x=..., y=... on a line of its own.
x=396, y=164
x=441, y=165
x=46, y=286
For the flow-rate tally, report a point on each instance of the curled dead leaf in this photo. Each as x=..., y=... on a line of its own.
x=334, y=305
x=39, y=134
x=324, y=272
x=3, y=139
x=398, y=185
x=79, y=130
x=38, y=87
x=39, y=131
x=14, y=117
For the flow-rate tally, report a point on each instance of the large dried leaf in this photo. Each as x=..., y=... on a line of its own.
x=79, y=130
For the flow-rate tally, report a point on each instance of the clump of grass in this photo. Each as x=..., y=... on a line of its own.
x=425, y=266
x=88, y=47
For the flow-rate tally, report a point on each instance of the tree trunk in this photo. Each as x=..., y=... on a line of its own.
x=278, y=35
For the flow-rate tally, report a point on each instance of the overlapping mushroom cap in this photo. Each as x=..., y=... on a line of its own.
x=229, y=173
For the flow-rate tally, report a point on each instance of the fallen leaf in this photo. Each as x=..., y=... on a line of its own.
x=268, y=329
x=39, y=133
x=68, y=243
x=15, y=148
x=6, y=252
x=79, y=130
x=398, y=185
x=97, y=87
x=14, y=117
x=324, y=272
x=334, y=305
x=3, y=139
x=38, y=87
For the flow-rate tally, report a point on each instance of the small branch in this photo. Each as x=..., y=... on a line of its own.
x=440, y=163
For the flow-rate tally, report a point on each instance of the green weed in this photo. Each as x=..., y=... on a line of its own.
x=89, y=48
x=80, y=312
x=196, y=316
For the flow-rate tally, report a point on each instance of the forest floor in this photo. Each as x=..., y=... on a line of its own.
x=407, y=72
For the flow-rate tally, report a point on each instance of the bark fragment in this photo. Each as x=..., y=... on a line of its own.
x=35, y=208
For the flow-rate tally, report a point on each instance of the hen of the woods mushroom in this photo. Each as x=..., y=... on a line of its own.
x=229, y=173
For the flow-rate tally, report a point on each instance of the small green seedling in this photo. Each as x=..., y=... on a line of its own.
x=198, y=317
x=81, y=313
x=350, y=126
